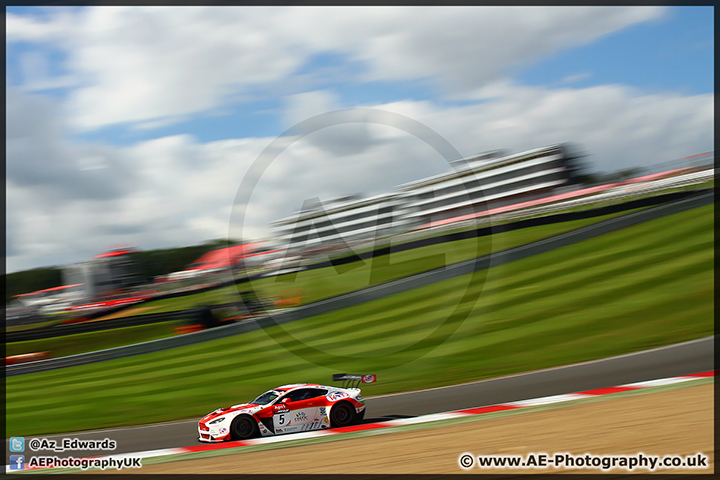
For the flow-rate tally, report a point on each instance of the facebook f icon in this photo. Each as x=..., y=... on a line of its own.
x=17, y=462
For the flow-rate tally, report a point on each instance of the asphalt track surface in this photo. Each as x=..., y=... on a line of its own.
x=374, y=292
x=685, y=358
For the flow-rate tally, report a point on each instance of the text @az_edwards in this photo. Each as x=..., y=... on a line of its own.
x=70, y=444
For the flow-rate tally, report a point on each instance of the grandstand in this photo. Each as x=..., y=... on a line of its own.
x=105, y=275
x=320, y=225
x=479, y=182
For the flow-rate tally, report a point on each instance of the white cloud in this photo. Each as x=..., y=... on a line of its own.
x=576, y=77
x=68, y=200
x=54, y=27
x=181, y=192
x=618, y=125
x=302, y=106
x=148, y=64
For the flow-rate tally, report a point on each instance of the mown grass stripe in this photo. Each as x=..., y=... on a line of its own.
x=601, y=278
x=615, y=252
x=624, y=238
x=413, y=312
x=574, y=301
x=681, y=292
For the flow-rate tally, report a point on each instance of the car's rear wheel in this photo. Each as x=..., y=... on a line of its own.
x=342, y=415
x=243, y=427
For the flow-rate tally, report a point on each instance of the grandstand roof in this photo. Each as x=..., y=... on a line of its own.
x=223, y=257
x=115, y=253
x=48, y=290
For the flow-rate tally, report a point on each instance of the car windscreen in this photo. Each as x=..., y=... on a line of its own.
x=266, y=398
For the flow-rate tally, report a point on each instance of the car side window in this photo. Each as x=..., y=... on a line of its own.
x=297, y=395
x=317, y=392
x=305, y=394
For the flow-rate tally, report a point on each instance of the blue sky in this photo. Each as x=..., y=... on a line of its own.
x=674, y=53
x=110, y=109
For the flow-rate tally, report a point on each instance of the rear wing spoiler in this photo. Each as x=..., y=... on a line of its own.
x=353, y=381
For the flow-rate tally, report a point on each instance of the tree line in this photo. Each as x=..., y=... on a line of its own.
x=148, y=264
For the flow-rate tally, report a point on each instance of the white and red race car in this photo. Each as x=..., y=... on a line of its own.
x=289, y=408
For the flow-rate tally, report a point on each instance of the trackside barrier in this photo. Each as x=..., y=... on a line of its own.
x=183, y=329
x=26, y=357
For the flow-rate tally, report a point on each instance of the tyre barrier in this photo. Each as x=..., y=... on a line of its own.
x=183, y=329
x=26, y=357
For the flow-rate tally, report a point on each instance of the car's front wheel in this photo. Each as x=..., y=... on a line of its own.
x=243, y=427
x=342, y=415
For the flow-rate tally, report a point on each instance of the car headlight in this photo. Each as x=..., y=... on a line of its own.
x=216, y=421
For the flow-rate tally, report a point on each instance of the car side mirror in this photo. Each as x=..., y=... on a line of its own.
x=285, y=400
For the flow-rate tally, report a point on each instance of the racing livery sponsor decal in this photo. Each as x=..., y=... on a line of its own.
x=323, y=411
x=301, y=416
x=280, y=408
x=369, y=379
x=332, y=396
x=281, y=420
x=311, y=426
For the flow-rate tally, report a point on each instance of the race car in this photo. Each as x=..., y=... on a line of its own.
x=290, y=408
